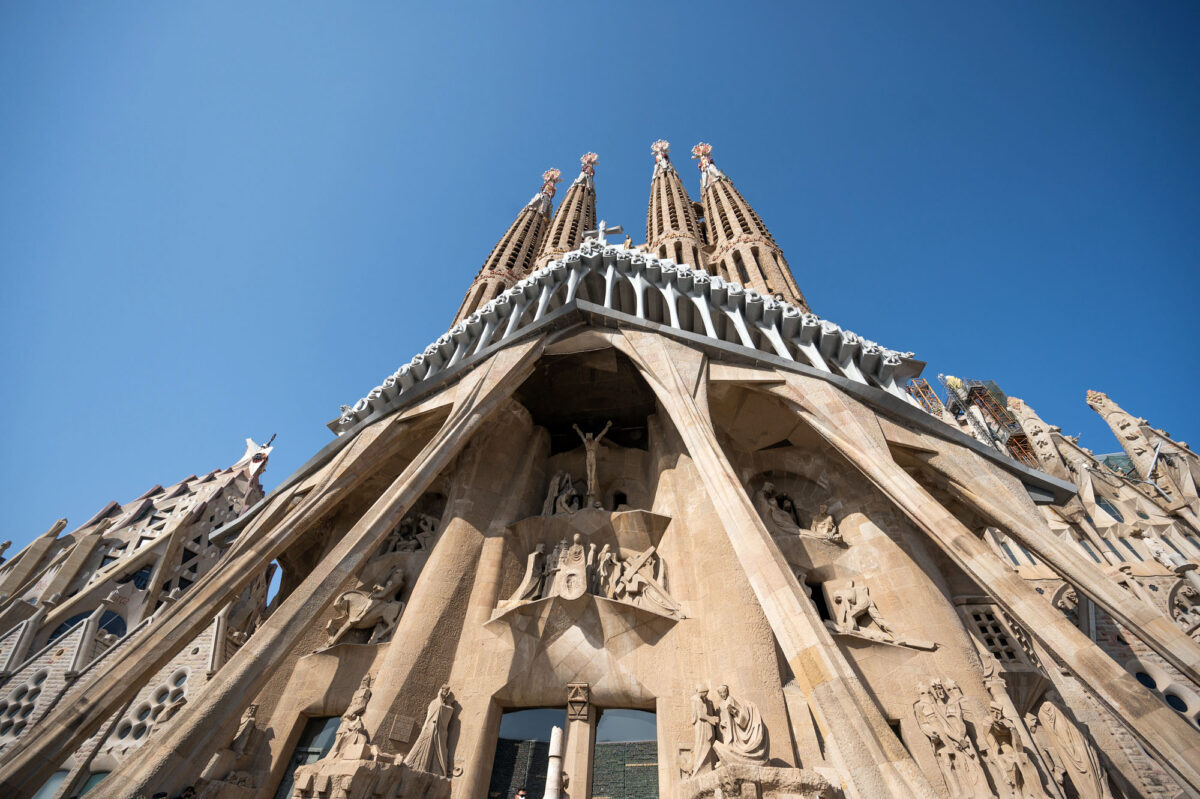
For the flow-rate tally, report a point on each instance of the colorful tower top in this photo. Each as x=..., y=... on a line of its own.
x=575, y=214
x=672, y=230
x=708, y=170
x=511, y=258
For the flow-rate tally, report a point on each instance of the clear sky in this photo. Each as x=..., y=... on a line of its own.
x=225, y=220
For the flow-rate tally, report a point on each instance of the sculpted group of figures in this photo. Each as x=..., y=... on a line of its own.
x=1000, y=752
x=781, y=517
x=573, y=570
x=428, y=752
x=732, y=733
x=562, y=497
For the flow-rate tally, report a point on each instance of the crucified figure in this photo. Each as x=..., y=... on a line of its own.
x=591, y=443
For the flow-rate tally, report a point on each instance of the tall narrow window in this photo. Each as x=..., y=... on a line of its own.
x=523, y=751
x=743, y=276
x=315, y=742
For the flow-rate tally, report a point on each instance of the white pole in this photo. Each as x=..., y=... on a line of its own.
x=554, y=770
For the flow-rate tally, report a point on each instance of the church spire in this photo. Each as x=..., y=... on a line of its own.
x=743, y=249
x=513, y=255
x=671, y=227
x=576, y=213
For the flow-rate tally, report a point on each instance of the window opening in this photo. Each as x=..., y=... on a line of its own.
x=625, y=758
x=523, y=752
x=315, y=742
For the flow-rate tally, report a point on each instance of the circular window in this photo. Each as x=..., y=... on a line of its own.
x=39, y=678
x=25, y=711
x=1175, y=702
x=20, y=725
x=180, y=678
x=139, y=731
x=1146, y=680
x=33, y=695
x=196, y=651
x=123, y=730
x=143, y=712
x=13, y=710
x=176, y=695
x=5, y=727
x=161, y=696
x=19, y=694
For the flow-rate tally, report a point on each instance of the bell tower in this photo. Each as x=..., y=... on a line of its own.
x=672, y=230
x=576, y=214
x=743, y=249
x=510, y=259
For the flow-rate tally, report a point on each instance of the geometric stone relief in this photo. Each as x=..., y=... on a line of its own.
x=939, y=713
x=855, y=614
x=141, y=719
x=19, y=704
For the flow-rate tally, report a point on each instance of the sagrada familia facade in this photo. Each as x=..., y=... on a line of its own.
x=636, y=478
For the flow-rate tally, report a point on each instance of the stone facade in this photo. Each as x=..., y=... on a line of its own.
x=624, y=483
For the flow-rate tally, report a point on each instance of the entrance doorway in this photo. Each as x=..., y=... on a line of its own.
x=625, y=759
x=523, y=752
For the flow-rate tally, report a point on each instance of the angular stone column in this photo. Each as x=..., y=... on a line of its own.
x=581, y=741
x=848, y=428
x=210, y=718
x=868, y=752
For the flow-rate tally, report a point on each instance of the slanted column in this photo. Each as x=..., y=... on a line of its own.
x=865, y=746
x=852, y=430
x=581, y=741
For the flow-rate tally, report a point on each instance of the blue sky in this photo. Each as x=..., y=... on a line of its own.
x=221, y=220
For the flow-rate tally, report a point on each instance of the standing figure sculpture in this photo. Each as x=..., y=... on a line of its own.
x=778, y=519
x=591, y=443
x=705, y=725
x=429, y=752
x=743, y=736
x=939, y=716
x=1071, y=755
x=1012, y=771
x=534, y=583
x=352, y=736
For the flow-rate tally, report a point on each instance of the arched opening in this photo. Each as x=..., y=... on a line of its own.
x=110, y=622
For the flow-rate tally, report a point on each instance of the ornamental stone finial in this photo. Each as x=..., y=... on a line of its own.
x=549, y=178
x=588, y=163
x=661, y=150
x=708, y=170
x=1096, y=397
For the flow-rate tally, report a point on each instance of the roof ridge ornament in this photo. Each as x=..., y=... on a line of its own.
x=709, y=173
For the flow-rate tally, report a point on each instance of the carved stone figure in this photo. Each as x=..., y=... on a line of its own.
x=939, y=715
x=574, y=570
x=245, y=730
x=376, y=610
x=1071, y=755
x=704, y=723
x=743, y=736
x=429, y=752
x=223, y=760
x=353, y=742
x=779, y=521
x=851, y=605
x=1162, y=554
x=641, y=583
x=823, y=525
x=561, y=496
x=1012, y=771
x=591, y=443
x=535, y=577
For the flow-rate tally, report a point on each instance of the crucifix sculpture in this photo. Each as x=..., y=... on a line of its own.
x=602, y=230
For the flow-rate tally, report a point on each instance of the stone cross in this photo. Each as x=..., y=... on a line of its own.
x=602, y=231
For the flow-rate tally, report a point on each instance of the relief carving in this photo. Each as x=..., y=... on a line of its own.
x=939, y=715
x=779, y=514
x=376, y=609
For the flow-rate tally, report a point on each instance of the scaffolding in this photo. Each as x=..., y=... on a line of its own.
x=920, y=390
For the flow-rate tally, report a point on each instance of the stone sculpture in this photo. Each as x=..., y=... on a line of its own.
x=223, y=761
x=1159, y=551
x=704, y=723
x=575, y=569
x=376, y=610
x=414, y=532
x=743, y=736
x=561, y=496
x=591, y=443
x=851, y=605
x=1071, y=755
x=353, y=742
x=1013, y=773
x=856, y=614
x=428, y=753
x=940, y=716
x=823, y=525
